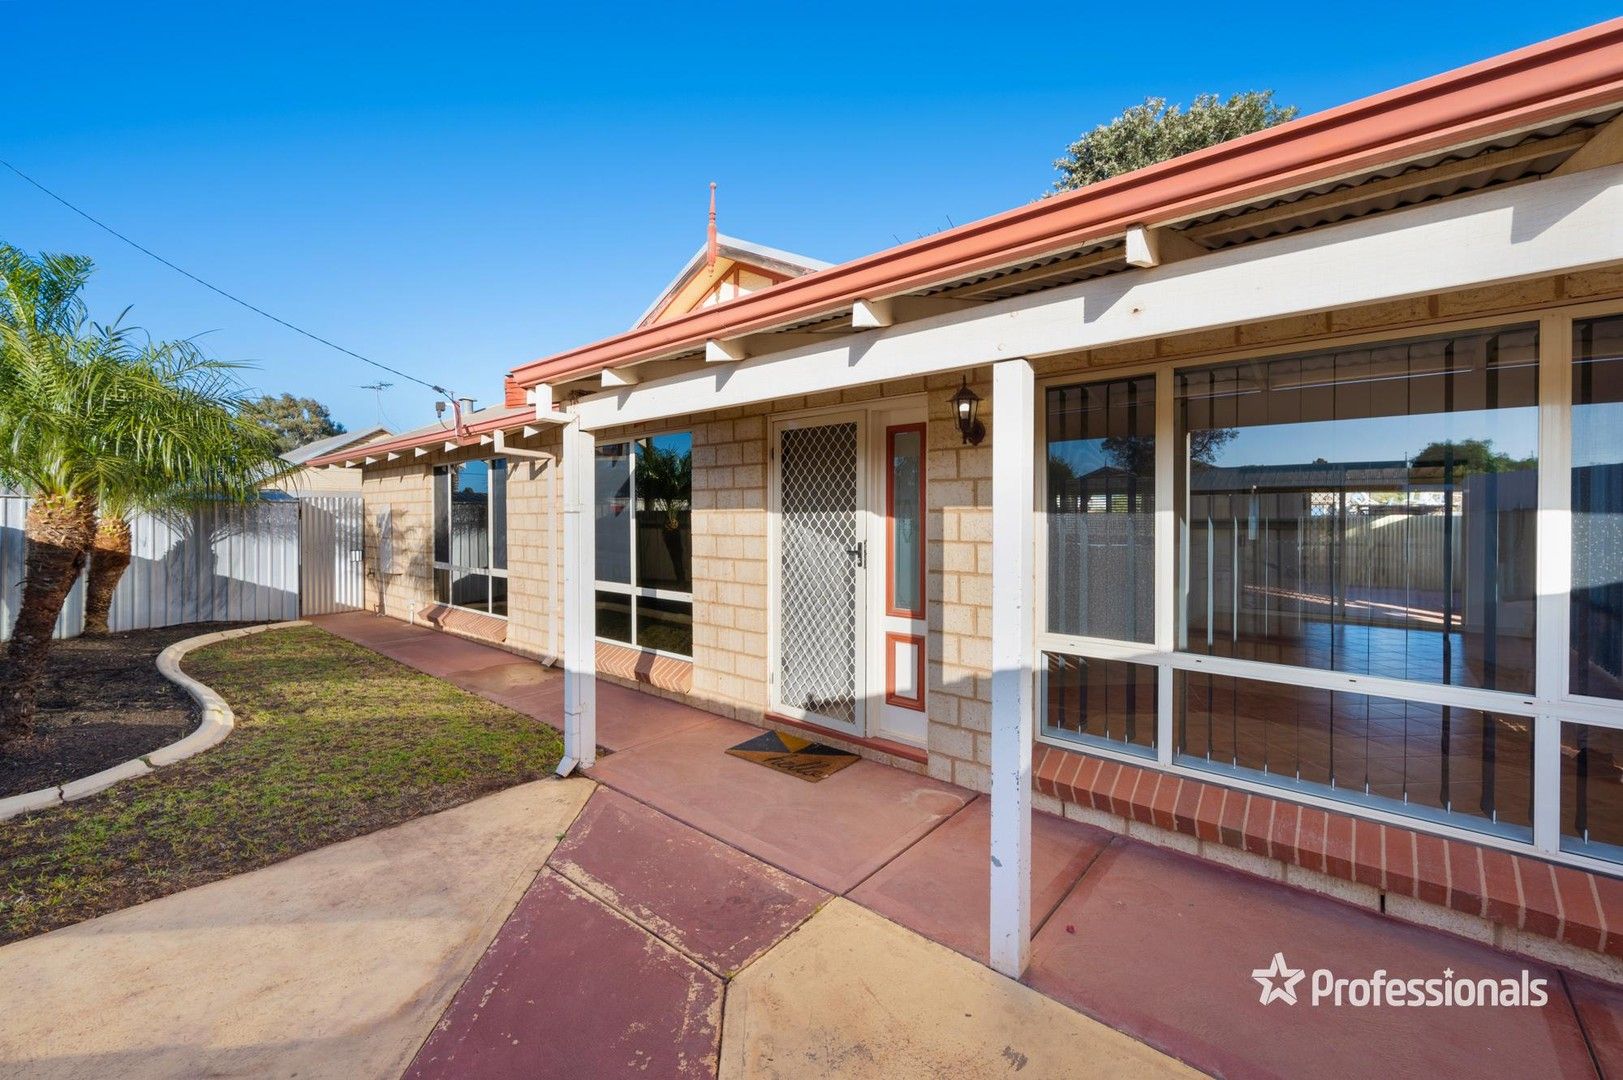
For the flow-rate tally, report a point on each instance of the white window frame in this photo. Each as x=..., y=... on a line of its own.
x=1547, y=707
x=489, y=570
x=635, y=592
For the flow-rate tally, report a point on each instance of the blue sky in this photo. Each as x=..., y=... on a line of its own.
x=455, y=189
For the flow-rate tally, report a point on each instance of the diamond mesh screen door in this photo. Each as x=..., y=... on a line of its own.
x=820, y=571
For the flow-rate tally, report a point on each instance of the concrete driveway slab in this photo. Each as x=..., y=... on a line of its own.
x=570, y=988
x=941, y=886
x=833, y=834
x=712, y=902
x=1142, y=914
x=335, y=963
x=852, y=995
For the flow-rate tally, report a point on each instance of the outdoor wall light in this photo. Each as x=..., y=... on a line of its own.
x=965, y=402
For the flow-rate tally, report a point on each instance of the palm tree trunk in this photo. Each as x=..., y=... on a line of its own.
x=59, y=530
x=109, y=558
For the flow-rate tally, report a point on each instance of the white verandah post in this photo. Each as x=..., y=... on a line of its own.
x=579, y=577
x=1013, y=710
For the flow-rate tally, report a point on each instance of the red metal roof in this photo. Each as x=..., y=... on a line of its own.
x=1561, y=77
x=506, y=419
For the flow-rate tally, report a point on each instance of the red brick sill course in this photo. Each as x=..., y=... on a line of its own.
x=467, y=623
x=1570, y=905
x=637, y=666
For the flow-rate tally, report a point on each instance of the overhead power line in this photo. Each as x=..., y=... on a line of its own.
x=216, y=289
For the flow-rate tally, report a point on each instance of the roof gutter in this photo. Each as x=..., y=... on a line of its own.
x=1562, y=77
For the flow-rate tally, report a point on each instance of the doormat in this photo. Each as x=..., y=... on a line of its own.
x=793, y=755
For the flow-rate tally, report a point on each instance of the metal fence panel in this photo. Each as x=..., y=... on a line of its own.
x=227, y=561
x=13, y=560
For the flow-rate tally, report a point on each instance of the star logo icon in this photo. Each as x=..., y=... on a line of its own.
x=1278, y=981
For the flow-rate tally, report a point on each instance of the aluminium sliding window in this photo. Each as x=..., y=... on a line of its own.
x=643, y=497
x=1100, y=508
x=1369, y=510
x=1592, y=754
x=470, y=535
x=1320, y=574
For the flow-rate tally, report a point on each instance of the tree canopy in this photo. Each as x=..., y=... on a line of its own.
x=294, y=421
x=1156, y=131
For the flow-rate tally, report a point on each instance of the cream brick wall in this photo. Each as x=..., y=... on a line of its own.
x=534, y=540
x=730, y=478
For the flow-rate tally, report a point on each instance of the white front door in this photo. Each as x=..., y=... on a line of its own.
x=848, y=580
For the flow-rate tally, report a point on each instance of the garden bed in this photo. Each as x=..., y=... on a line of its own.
x=331, y=741
x=103, y=703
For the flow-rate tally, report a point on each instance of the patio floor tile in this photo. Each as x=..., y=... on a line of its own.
x=713, y=902
x=570, y=988
x=1600, y=1007
x=940, y=887
x=1162, y=946
x=833, y=833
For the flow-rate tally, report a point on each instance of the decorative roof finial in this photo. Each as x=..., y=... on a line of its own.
x=710, y=250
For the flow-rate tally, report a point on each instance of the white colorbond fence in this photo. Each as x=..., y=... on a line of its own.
x=225, y=562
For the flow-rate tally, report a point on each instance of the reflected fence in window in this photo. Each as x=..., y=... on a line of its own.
x=1090, y=700
x=1471, y=768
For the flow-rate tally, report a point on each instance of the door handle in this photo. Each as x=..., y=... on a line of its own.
x=857, y=551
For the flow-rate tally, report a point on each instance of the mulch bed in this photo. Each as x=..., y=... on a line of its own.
x=103, y=703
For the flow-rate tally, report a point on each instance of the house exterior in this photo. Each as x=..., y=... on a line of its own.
x=1264, y=503
x=318, y=481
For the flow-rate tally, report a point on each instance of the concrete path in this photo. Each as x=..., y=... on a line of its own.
x=335, y=963
x=618, y=960
x=1155, y=943
x=855, y=995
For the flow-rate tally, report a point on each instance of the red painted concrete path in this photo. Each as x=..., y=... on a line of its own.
x=688, y=865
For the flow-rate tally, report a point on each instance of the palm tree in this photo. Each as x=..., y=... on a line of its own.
x=210, y=451
x=92, y=419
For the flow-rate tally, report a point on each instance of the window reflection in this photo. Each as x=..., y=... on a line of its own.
x=1101, y=509
x=1597, y=508
x=1367, y=510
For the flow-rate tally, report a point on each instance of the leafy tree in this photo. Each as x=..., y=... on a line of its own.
x=665, y=482
x=1464, y=456
x=1155, y=131
x=293, y=420
x=1136, y=453
x=99, y=419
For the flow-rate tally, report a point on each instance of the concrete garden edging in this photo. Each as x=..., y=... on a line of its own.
x=216, y=723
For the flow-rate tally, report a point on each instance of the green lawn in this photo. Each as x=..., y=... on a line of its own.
x=332, y=741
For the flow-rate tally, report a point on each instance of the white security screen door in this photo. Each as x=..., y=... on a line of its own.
x=821, y=572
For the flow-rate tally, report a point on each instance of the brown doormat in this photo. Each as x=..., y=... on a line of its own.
x=791, y=754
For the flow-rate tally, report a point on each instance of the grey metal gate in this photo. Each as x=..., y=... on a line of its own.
x=332, y=575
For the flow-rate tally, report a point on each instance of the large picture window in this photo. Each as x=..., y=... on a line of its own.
x=643, y=495
x=470, y=535
x=1324, y=573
